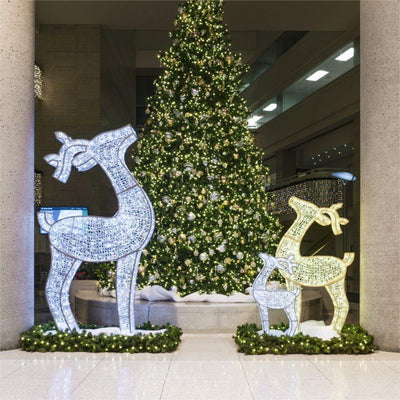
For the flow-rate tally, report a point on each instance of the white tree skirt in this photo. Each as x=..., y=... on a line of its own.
x=318, y=329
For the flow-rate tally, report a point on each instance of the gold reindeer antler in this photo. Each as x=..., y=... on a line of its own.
x=336, y=220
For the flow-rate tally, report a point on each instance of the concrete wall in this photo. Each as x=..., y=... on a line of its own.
x=69, y=57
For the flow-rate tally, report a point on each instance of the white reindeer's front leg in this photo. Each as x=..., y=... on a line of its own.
x=292, y=317
x=292, y=287
x=65, y=303
x=127, y=269
x=58, y=300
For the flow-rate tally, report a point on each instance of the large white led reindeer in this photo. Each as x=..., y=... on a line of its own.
x=275, y=298
x=314, y=271
x=119, y=238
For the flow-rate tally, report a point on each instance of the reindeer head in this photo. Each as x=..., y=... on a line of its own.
x=323, y=216
x=330, y=216
x=271, y=262
x=85, y=154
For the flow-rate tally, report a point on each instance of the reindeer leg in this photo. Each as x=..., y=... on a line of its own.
x=61, y=264
x=292, y=317
x=340, y=303
x=65, y=304
x=264, y=318
x=291, y=286
x=127, y=269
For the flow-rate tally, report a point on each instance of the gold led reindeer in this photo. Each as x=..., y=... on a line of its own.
x=316, y=271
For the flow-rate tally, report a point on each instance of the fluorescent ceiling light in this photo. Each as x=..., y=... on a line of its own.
x=346, y=56
x=252, y=121
x=270, y=107
x=346, y=176
x=317, y=75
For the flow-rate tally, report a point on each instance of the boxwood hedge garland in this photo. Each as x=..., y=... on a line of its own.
x=353, y=340
x=36, y=340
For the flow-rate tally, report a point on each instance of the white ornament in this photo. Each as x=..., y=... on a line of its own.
x=191, y=216
x=203, y=256
x=239, y=255
x=120, y=238
x=275, y=299
x=220, y=268
x=221, y=248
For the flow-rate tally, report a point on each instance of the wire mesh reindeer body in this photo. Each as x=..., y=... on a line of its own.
x=275, y=298
x=315, y=271
x=119, y=238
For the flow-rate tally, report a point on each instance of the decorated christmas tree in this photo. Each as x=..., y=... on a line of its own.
x=200, y=165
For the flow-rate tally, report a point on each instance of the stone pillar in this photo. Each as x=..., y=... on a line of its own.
x=380, y=172
x=17, y=170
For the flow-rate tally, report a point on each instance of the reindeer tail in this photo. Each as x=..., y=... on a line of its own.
x=348, y=259
x=45, y=220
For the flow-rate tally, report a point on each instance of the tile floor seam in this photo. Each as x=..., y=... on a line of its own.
x=17, y=369
x=166, y=376
x=247, y=379
x=315, y=366
x=80, y=383
x=391, y=367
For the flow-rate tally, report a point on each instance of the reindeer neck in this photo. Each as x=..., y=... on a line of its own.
x=261, y=281
x=120, y=176
x=297, y=230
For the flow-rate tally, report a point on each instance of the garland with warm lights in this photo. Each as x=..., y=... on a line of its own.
x=353, y=340
x=200, y=165
x=36, y=339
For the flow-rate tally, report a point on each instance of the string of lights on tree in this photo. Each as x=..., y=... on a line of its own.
x=200, y=165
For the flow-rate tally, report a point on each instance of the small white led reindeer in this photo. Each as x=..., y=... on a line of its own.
x=275, y=298
x=120, y=238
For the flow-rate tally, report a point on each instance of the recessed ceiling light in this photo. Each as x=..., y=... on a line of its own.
x=252, y=121
x=346, y=56
x=316, y=76
x=270, y=107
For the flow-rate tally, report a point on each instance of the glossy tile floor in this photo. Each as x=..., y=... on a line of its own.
x=205, y=367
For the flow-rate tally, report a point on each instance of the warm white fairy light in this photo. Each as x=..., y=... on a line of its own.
x=316, y=271
x=38, y=188
x=38, y=82
x=120, y=238
x=321, y=192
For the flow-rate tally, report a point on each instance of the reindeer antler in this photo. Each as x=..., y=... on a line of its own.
x=62, y=162
x=287, y=263
x=336, y=220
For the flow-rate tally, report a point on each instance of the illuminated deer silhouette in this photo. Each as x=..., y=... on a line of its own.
x=316, y=271
x=120, y=238
x=275, y=298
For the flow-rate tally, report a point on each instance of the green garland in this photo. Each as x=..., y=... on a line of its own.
x=353, y=340
x=36, y=340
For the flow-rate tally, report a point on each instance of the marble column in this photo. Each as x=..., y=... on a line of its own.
x=17, y=170
x=380, y=172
